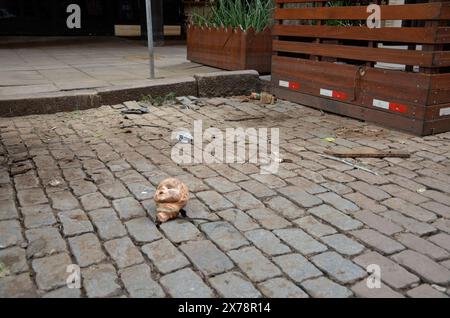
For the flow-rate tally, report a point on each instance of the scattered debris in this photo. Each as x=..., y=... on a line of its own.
x=329, y=139
x=350, y=164
x=369, y=153
x=439, y=288
x=140, y=111
x=421, y=190
x=217, y=101
x=358, y=131
x=188, y=102
x=243, y=119
x=264, y=98
x=185, y=137
x=54, y=182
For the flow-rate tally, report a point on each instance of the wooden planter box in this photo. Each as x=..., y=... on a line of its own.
x=230, y=49
x=355, y=76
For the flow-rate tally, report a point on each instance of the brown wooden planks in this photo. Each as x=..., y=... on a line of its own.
x=337, y=68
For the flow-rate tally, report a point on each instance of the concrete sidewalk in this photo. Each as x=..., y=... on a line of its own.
x=86, y=64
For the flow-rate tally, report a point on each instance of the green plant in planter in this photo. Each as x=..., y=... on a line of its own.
x=244, y=14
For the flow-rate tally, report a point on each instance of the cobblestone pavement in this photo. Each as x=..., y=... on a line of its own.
x=76, y=188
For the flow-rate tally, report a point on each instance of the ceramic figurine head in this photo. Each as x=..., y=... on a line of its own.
x=170, y=197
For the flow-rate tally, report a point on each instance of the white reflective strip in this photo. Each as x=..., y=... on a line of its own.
x=444, y=111
x=326, y=92
x=284, y=84
x=380, y=104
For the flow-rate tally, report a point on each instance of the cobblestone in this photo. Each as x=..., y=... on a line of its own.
x=297, y=267
x=311, y=229
x=322, y=287
x=254, y=264
x=86, y=249
x=300, y=241
x=392, y=274
x=75, y=222
x=207, y=257
x=180, y=231
x=139, y=283
x=165, y=256
x=423, y=266
x=267, y=242
x=124, y=252
x=234, y=285
x=51, y=271
x=186, y=284
x=101, y=281
x=338, y=267
x=281, y=288
x=224, y=235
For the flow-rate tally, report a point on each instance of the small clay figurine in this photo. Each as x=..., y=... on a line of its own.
x=171, y=197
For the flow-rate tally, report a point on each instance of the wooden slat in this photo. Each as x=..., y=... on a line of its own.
x=423, y=11
x=407, y=57
x=402, y=35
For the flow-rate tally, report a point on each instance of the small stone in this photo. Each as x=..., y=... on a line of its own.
x=234, y=285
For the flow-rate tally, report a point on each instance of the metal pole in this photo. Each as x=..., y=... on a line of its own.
x=148, y=5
